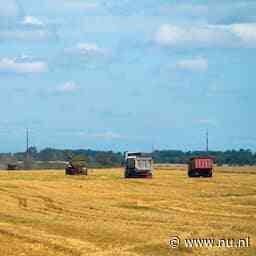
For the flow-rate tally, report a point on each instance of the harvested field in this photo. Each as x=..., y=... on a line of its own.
x=45, y=213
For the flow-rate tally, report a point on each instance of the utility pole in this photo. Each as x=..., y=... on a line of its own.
x=207, y=140
x=27, y=136
x=27, y=158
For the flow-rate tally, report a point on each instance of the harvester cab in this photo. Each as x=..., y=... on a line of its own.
x=138, y=165
x=76, y=166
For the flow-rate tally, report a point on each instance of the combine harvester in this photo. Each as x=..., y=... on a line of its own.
x=200, y=166
x=76, y=166
x=138, y=165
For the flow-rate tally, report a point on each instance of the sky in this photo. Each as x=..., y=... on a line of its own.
x=128, y=75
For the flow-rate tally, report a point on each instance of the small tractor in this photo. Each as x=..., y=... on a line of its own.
x=76, y=166
x=200, y=166
x=138, y=165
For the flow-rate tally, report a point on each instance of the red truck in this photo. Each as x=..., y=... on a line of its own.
x=200, y=166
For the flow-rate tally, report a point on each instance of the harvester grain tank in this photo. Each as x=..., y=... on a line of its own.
x=200, y=166
x=138, y=165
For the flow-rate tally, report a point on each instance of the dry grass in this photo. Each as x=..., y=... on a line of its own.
x=49, y=214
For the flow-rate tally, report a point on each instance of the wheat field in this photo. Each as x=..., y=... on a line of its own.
x=45, y=213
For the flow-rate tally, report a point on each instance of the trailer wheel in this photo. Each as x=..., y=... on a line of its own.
x=207, y=175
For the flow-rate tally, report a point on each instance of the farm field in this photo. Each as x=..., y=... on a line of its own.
x=45, y=213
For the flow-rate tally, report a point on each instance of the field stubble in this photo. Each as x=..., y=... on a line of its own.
x=48, y=213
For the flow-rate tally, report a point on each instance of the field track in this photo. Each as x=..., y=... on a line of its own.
x=45, y=213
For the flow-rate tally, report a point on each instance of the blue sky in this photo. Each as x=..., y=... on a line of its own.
x=105, y=74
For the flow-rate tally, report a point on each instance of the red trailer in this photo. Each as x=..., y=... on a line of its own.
x=200, y=166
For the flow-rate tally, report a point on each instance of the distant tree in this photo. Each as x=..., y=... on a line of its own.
x=109, y=158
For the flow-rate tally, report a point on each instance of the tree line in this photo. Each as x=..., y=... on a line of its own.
x=229, y=157
x=56, y=158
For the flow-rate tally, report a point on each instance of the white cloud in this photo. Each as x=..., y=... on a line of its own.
x=197, y=64
x=246, y=32
x=173, y=36
x=85, y=56
x=90, y=48
x=30, y=20
x=235, y=35
x=105, y=135
x=87, y=47
x=12, y=65
x=67, y=87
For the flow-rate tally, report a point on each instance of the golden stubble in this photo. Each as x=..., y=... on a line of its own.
x=48, y=213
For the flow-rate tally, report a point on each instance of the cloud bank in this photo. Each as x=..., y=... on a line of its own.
x=14, y=66
x=235, y=35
